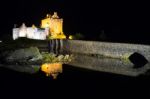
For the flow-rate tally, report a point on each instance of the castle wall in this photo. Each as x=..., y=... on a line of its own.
x=56, y=26
x=22, y=32
x=40, y=35
x=15, y=33
x=45, y=23
x=31, y=33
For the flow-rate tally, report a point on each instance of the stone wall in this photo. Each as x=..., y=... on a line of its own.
x=115, y=50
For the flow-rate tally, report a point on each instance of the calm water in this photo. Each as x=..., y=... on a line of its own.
x=82, y=67
x=83, y=75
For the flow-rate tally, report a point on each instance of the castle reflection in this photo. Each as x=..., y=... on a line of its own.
x=52, y=69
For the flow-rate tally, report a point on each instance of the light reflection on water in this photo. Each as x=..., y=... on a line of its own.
x=116, y=66
x=52, y=69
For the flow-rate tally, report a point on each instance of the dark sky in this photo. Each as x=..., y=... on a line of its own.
x=119, y=20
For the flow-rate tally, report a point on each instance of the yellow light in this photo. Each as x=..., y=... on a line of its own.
x=52, y=69
x=70, y=37
x=46, y=25
x=55, y=25
x=58, y=36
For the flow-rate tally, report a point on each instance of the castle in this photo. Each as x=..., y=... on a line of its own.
x=51, y=26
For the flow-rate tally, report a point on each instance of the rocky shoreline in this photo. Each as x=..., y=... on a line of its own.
x=31, y=56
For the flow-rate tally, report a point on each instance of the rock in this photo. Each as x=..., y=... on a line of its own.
x=66, y=58
x=26, y=55
x=60, y=57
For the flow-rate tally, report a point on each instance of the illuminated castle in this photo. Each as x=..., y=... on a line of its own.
x=51, y=26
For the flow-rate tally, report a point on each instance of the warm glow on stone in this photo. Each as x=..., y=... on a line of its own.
x=58, y=37
x=45, y=23
x=55, y=25
x=52, y=69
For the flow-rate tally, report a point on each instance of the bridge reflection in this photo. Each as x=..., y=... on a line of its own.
x=117, y=66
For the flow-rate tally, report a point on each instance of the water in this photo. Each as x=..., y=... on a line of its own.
x=82, y=67
x=85, y=75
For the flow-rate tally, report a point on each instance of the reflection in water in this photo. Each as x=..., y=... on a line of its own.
x=31, y=69
x=52, y=69
x=117, y=66
x=110, y=65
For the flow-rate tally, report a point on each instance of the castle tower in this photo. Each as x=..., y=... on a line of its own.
x=45, y=23
x=55, y=16
x=23, y=30
x=54, y=23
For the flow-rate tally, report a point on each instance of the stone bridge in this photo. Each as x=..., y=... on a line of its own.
x=114, y=50
x=105, y=49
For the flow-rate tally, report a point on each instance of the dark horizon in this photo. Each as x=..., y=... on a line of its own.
x=120, y=21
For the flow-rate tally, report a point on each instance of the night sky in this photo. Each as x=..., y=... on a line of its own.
x=120, y=21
